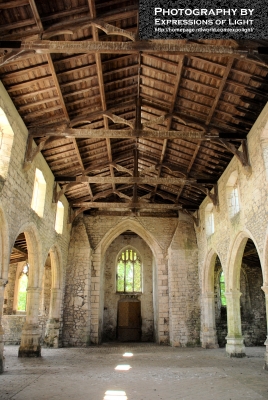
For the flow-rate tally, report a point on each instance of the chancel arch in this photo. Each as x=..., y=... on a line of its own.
x=128, y=290
x=99, y=259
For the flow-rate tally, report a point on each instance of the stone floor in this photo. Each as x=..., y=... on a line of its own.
x=151, y=372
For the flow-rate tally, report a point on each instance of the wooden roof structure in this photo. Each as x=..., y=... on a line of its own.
x=128, y=126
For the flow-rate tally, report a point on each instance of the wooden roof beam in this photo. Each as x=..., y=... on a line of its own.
x=95, y=35
x=149, y=46
x=84, y=133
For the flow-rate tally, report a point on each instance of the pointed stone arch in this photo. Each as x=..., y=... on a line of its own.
x=53, y=322
x=4, y=245
x=208, y=335
x=35, y=253
x=30, y=338
x=234, y=259
x=208, y=271
x=134, y=226
x=235, y=346
x=97, y=270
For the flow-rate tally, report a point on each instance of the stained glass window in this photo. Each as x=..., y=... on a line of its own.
x=128, y=277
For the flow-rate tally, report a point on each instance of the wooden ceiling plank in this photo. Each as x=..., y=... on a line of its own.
x=65, y=13
x=31, y=83
x=16, y=25
x=13, y=4
x=37, y=103
x=157, y=70
x=33, y=115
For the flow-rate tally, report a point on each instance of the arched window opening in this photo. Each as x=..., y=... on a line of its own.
x=234, y=201
x=222, y=289
x=39, y=193
x=6, y=142
x=209, y=218
x=22, y=289
x=233, y=195
x=59, y=217
x=128, y=275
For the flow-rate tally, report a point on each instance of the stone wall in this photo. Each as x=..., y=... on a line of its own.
x=171, y=301
x=12, y=325
x=77, y=307
x=45, y=301
x=184, y=291
x=17, y=216
x=9, y=290
x=252, y=306
x=230, y=234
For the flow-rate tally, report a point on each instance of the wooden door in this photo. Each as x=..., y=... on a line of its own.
x=129, y=320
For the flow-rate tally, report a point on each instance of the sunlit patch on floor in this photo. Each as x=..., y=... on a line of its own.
x=128, y=355
x=115, y=395
x=122, y=367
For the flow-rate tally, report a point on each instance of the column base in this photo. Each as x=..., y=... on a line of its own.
x=209, y=339
x=30, y=342
x=266, y=355
x=2, y=364
x=2, y=358
x=52, y=333
x=235, y=347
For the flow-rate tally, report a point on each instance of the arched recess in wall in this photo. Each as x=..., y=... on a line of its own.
x=214, y=311
x=135, y=227
x=6, y=142
x=246, y=275
x=128, y=290
x=51, y=298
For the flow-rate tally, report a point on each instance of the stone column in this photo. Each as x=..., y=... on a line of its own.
x=209, y=334
x=53, y=322
x=265, y=289
x=235, y=342
x=30, y=338
x=2, y=358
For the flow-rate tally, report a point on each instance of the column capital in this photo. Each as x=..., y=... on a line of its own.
x=265, y=289
x=233, y=294
x=3, y=282
x=56, y=290
x=208, y=295
x=34, y=290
